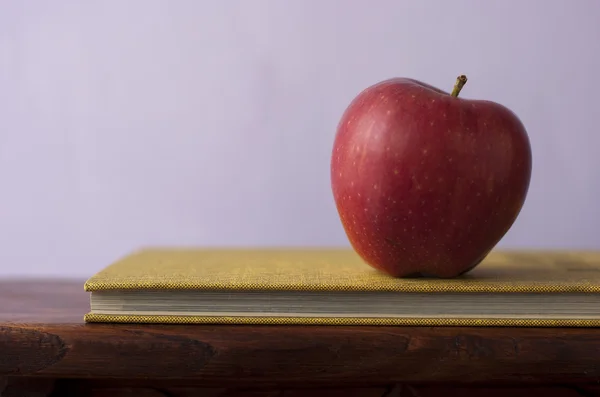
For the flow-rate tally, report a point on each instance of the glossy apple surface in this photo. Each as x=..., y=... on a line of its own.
x=426, y=183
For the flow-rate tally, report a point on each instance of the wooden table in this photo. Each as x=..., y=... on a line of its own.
x=47, y=350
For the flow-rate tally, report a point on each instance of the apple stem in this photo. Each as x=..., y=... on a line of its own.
x=460, y=82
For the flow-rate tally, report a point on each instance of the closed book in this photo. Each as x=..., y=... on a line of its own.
x=335, y=287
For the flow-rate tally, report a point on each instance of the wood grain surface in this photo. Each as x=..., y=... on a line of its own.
x=30, y=387
x=42, y=336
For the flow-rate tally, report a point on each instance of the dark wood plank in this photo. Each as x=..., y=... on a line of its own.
x=42, y=334
x=26, y=387
x=251, y=354
x=42, y=387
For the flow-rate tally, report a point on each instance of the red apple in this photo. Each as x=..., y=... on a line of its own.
x=427, y=183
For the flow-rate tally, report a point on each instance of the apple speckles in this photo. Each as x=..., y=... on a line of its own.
x=388, y=112
x=375, y=186
x=395, y=172
x=490, y=185
x=425, y=151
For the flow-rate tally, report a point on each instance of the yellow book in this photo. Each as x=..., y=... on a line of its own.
x=335, y=287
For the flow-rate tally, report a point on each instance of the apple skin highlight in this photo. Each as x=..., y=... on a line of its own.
x=426, y=183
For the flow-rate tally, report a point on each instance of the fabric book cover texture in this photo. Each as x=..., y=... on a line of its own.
x=335, y=287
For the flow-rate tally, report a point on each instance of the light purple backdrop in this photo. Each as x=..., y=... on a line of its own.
x=126, y=123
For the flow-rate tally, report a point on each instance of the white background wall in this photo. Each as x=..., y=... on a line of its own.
x=125, y=123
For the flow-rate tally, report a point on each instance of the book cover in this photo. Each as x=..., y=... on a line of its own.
x=341, y=270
